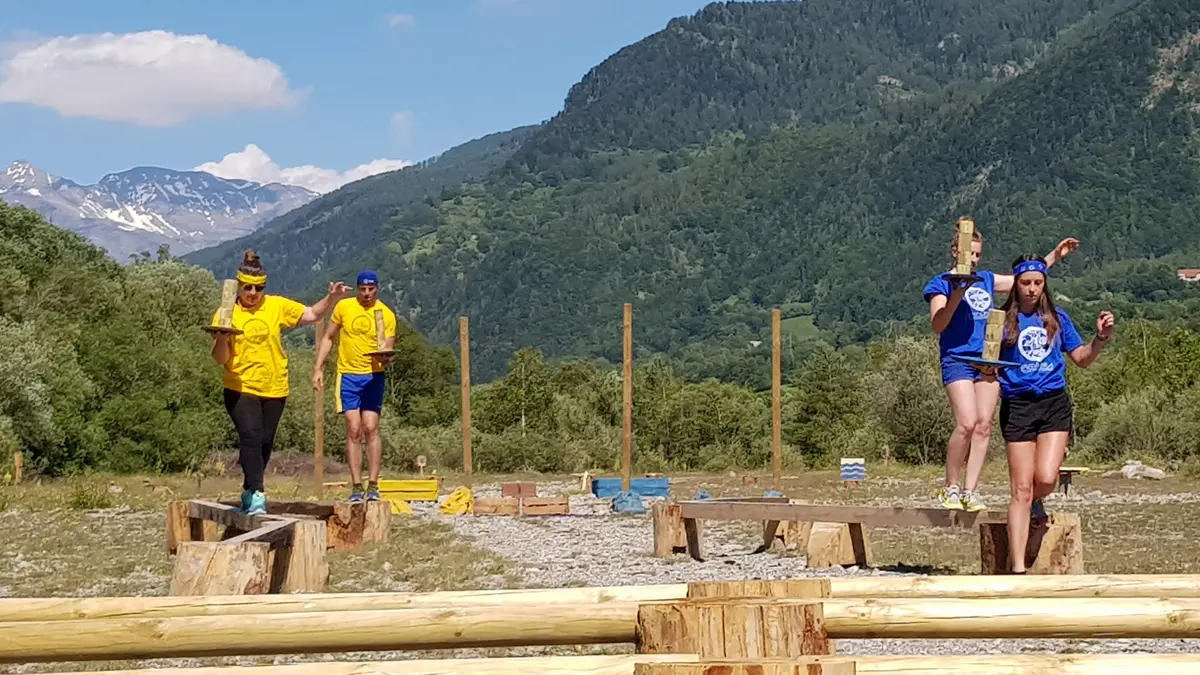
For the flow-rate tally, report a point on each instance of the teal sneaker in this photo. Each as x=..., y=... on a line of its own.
x=246, y=500
x=1037, y=513
x=373, y=493
x=356, y=495
x=258, y=504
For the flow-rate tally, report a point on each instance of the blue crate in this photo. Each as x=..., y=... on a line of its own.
x=606, y=488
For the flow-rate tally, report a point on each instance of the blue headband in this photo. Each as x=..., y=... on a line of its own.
x=367, y=278
x=1030, y=266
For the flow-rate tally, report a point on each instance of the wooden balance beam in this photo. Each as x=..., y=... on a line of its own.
x=836, y=535
x=221, y=551
x=426, y=628
x=896, y=587
x=627, y=664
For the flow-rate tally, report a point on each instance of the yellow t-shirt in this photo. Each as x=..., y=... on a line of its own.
x=357, y=335
x=258, y=365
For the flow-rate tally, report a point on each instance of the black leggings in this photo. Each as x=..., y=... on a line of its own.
x=256, y=420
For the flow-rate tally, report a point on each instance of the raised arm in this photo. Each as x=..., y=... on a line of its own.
x=337, y=290
x=1085, y=355
x=941, y=308
x=1004, y=282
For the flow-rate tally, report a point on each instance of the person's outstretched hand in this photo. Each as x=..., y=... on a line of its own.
x=1106, y=323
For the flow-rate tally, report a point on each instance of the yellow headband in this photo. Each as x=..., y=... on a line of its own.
x=247, y=279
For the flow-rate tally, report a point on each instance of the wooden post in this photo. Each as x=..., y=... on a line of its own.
x=464, y=351
x=627, y=395
x=776, y=400
x=18, y=467
x=319, y=425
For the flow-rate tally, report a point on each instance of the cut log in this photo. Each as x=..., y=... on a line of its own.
x=741, y=628
x=1054, y=548
x=568, y=624
x=624, y=664
x=219, y=568
x=311, y=632
x=834, y=544
x=759, y=588
x=301, y=566
x=179, y=525
x=813, y=666
x=693, y=534
x=931, y=587
x=353, y=526
x=669, y=537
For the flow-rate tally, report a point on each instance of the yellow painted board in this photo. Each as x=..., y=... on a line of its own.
x=423, y=490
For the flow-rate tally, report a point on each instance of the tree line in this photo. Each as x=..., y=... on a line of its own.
x=103, y=367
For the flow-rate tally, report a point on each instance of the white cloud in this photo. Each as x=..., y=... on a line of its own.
x=255, y=165
x=401, y=126
x=396, y=20
x=153, y=78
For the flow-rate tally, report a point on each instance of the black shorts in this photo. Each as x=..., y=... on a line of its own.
x=1024, y=417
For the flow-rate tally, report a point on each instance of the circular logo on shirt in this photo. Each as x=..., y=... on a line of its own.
x=256, y=331
x=361, y=325
x=1032, y=343
x=979, y=299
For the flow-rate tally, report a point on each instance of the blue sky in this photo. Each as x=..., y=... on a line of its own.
x=312, y=86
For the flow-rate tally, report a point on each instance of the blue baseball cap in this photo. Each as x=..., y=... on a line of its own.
x=367, y=278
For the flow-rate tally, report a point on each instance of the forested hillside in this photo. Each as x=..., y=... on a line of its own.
x=838, y=217
x=746, y=66
x=340, y=225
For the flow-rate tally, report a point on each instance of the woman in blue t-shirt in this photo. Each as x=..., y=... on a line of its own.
x=973, y=393
x=1035, y=408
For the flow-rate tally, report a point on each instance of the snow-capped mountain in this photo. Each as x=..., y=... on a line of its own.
x=139, y=209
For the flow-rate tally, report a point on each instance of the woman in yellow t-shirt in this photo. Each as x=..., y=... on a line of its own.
x=255, y=370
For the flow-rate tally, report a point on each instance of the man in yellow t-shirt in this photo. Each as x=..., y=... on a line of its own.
x=359, y=388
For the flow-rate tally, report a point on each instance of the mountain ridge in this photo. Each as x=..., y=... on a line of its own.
x=145, y=207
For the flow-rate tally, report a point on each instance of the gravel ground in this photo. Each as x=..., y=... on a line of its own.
x=595, y=547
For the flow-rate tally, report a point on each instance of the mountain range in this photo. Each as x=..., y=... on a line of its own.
x=143, y=208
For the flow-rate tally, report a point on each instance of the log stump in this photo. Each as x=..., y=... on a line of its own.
x=219, y=568
x=813, y=666
x=1053, y=548
x=740, y=628
x=354, y=525
x=669, y=537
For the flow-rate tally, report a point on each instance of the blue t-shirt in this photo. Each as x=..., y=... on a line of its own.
x=1043, y=366
x=964, y=334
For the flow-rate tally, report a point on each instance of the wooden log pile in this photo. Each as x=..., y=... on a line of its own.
x=779, y=627
x=221, y=551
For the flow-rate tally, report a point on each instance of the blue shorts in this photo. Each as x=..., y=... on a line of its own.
x=954, y=370
x=359, y=392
